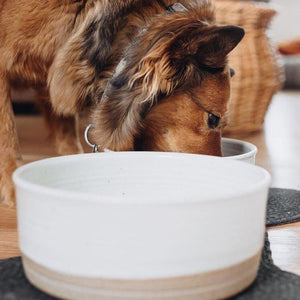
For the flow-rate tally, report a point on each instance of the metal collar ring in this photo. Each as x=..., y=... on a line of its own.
x=86, y=137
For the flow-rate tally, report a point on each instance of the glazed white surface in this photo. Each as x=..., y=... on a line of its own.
x=239, y=150
x=140, y=215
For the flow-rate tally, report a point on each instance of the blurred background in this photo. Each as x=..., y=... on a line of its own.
x=286, y=25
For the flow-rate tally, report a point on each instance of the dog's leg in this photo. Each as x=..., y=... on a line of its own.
x=63, y=130
x=9, y=147
x=65, y=134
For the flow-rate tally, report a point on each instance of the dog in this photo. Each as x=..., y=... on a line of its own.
x=153, y=74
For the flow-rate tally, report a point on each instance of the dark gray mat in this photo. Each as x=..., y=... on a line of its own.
x=283, y=207
x=271, y=282
x=13, y=283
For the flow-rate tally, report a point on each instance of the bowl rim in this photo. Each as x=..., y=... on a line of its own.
x=107, y=199
x=251, y=153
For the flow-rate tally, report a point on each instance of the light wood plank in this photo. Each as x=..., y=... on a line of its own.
x=285, y=246
x=8, y=233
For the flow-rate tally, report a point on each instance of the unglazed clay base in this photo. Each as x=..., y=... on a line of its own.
x=210, y=285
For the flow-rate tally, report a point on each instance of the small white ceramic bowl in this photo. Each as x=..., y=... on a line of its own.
x=140, y=225
x=236, y=149
x=239, y=150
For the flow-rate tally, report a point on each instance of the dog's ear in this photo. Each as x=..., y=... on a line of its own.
x=169, y=58
x=204, y=45
x=117, y=118
x=212, y=48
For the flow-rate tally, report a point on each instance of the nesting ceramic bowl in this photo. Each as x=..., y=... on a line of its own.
x=239, y=150
x=141, y=225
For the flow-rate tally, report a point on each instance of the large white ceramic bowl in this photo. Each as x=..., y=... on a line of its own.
x=141, y=225
x=239, y=150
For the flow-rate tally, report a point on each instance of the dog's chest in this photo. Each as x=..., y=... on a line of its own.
x=34, y=41
x=28, y=70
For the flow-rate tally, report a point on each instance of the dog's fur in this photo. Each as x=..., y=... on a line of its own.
x=151, y=77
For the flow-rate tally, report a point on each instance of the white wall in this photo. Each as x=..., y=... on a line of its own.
x=286, y=24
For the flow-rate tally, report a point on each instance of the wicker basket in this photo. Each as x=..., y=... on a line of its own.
x=258, y=72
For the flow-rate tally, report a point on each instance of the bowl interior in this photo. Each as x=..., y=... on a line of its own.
x=142, y=177
x=233, y=147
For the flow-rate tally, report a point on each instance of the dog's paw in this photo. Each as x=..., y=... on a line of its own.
x=7, y=194
x=7, y=189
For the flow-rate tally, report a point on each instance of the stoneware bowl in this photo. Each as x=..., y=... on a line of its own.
x=239, y=150
x=145, y=225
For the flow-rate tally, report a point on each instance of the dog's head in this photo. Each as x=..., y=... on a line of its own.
x=170, y=92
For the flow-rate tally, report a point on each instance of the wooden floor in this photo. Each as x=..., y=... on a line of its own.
x=279, y=152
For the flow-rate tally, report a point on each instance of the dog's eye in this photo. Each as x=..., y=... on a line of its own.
x=232, y=72
x=213, y=121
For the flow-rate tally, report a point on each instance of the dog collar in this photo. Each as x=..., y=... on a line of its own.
x=87, y=140
x=176, y=7
x=94, y=146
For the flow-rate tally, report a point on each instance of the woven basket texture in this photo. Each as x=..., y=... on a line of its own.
x=259, y=72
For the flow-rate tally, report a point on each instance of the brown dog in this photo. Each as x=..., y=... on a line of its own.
x=154, y=74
